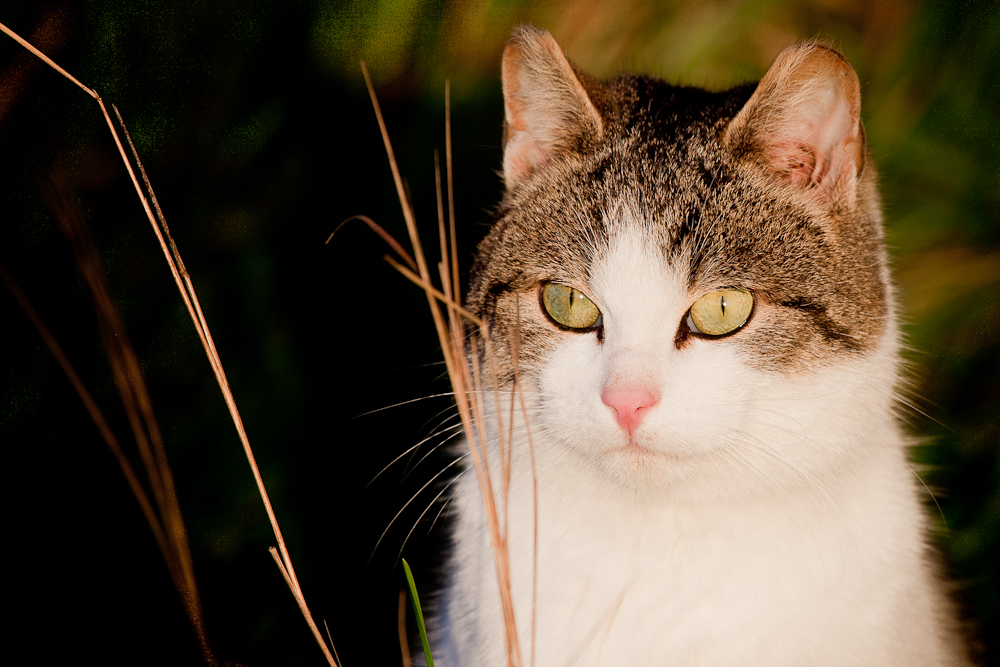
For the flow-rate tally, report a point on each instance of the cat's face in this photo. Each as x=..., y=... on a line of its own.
x=695, y=281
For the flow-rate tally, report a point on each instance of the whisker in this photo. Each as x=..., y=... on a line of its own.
x=402, y=403
x=434, y=449
x=412, y=498
x=911, y=406
x=944, y=521
x=439, y=429
x=429, y=505
x=407, y=451
x=443, y=506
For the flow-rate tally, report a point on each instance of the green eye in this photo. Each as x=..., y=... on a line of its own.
x=720, y=313
x=569, y=307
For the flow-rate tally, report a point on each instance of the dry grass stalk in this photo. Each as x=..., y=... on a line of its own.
x=186, y=288
x=515, y=355
x=464, y=340
x=168, y=525
x=92, y=409
x=404, y=642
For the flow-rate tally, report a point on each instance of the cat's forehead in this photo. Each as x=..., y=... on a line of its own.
x=660, y=161
x=687, y=202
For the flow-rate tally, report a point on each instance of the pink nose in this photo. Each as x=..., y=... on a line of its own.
x=630, y=404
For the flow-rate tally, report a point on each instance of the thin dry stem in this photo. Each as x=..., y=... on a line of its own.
x=404, y=200
x=432, y=291
x=95, y=412
x=455, y=323
x=499, y=537
x=445, y=277
x=334, y=648
x=385, y=236
x=186, y=288
x=452, y=336
x=457, y=293
x=293, y=586
x=136, y=401
x=506, y=445
x=404, y=642
x=23, y=42
x=191, y=301
x=515, y=359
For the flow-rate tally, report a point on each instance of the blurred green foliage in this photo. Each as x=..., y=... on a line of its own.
x=258, y=136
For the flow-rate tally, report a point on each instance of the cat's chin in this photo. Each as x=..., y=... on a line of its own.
x=646, y=470
x=649, y=469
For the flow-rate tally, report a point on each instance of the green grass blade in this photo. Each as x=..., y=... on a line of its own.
x=418, y=613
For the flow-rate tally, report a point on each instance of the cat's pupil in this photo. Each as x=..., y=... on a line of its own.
x=722, y=303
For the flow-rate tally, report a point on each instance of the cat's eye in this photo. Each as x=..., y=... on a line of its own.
x=569, y=307
x=720, y=313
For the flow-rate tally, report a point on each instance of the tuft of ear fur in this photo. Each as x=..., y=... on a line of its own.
x=546, y=108
x=803, y=122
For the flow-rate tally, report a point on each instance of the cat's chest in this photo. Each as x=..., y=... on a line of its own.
x=690, y=584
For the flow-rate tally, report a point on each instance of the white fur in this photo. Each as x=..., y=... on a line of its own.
x=769, y=518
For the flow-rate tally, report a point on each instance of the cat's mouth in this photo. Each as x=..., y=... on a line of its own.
x=637, y=450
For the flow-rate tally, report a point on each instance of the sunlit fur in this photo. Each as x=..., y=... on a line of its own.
x=766, y=521
x=762, y=513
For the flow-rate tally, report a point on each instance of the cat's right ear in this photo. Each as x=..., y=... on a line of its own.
x=546, y=108
x=803, y=123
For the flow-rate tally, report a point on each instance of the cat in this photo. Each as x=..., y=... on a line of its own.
x=694, y=289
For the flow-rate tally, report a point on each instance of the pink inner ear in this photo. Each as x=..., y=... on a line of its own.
x=804, y=121
x=794, y=161
x=522, y=152
x=522, y=156
x=545, y=105
x=811, y=147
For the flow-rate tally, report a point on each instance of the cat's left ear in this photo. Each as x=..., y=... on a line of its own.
x=546, y=108
x=803, y=122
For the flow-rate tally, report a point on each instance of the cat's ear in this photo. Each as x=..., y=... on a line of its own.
x=804, y=122
x=546, y=108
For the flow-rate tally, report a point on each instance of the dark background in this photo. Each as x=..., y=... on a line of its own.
x=253, y=124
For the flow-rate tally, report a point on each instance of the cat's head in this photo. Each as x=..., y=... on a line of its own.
x=694, y=283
